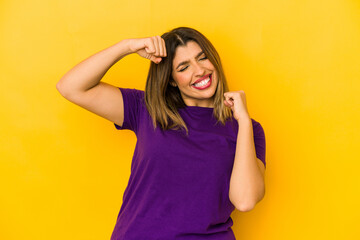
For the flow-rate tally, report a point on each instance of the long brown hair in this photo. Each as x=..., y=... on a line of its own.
x=163, y=100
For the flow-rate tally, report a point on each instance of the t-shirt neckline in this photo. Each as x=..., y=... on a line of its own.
x=199, y=111
x=198, y=107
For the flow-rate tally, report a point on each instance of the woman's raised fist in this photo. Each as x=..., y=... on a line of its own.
x=152, y=48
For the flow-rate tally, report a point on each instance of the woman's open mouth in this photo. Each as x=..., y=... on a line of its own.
x=204, y=83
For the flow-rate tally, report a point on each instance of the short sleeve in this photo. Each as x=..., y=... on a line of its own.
x=259, y=140
x=132, y=99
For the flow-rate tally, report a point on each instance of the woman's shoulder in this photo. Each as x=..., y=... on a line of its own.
x=133, y=94
x=254, y=122
x=132, y=90
x=257, y=127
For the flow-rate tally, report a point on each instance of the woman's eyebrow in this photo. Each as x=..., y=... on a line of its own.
x=185, y=62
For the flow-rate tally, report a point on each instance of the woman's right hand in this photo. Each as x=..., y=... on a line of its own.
x=152, y=48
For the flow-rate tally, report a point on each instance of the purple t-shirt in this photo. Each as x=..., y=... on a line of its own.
x=179, y=185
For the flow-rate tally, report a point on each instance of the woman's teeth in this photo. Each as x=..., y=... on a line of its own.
x=202, y=83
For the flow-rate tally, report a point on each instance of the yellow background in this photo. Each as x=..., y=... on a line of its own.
x=63, y=169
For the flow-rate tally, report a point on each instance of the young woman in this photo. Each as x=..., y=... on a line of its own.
x=198, y=154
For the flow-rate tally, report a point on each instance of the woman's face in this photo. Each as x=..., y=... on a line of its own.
x=189, y=66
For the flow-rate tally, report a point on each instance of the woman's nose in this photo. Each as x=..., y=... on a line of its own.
x=199, y=70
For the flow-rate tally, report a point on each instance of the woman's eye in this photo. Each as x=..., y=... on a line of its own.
x=183, y=69
x=187, y=66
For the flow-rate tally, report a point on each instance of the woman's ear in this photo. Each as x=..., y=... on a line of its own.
x=173, y=83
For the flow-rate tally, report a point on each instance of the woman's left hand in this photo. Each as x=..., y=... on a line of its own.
x=236, y=100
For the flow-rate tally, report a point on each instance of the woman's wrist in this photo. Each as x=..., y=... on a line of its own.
x=122, y=49
x=244, y=119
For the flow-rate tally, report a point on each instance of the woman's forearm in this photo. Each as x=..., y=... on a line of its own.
x=247, y=182
x=90, y=71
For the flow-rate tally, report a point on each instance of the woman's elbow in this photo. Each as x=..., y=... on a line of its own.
x=245, y=207
x=249, y=205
